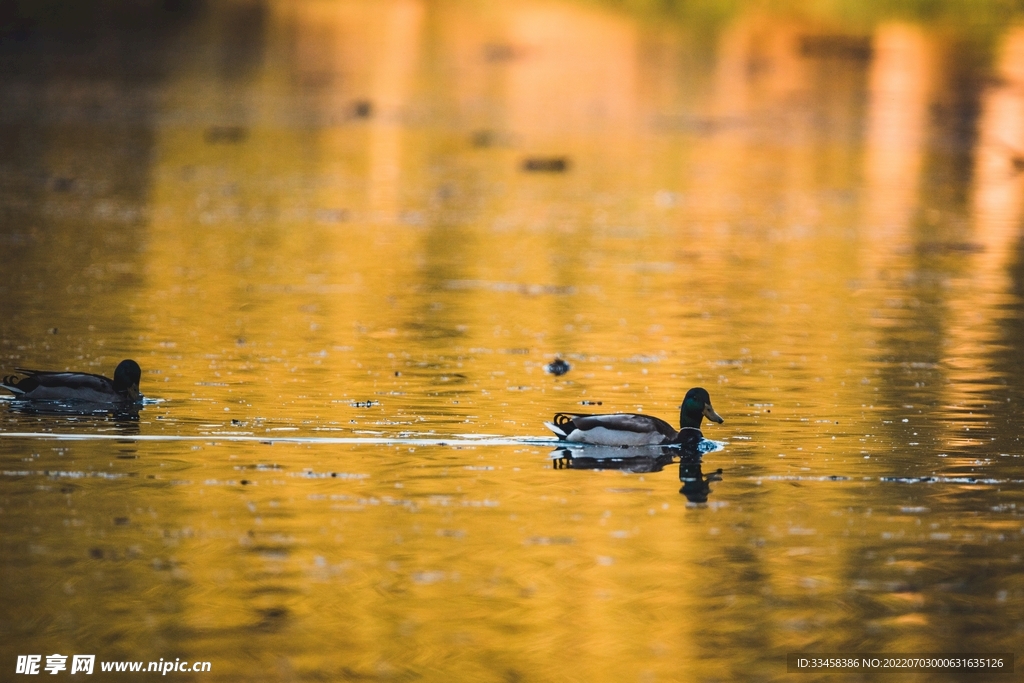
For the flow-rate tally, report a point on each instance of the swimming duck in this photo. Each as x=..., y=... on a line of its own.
x=557, y=367
x=77, y=387
x=631, y=429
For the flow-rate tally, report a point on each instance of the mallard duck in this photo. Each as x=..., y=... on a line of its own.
x=77, y=387
x=631, y=429
x=557, y=367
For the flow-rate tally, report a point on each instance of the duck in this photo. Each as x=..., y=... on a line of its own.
x=633, y=429
x=557, y=367
x=77, y=387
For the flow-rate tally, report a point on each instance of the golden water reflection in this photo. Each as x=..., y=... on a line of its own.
x=316, y=219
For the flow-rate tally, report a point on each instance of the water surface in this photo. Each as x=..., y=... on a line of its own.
x=343, y=240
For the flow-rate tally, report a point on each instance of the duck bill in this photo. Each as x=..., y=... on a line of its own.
x=710, y=414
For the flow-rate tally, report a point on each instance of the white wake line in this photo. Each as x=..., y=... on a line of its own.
x=326, y=440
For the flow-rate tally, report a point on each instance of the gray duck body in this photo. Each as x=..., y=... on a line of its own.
x=635, y=429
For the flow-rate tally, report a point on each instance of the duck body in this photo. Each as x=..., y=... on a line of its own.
x=612, y=429
x=634, y=429
x=77, y=387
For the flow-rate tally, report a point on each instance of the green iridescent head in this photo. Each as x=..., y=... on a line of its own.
x=696, y=406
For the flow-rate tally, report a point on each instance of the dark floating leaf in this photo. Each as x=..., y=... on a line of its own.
x=546, y=164
x=362, y=109
x=231, y=135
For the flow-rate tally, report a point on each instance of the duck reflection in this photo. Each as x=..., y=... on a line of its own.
x=636, y=459
x=641, y=460
x=77, y=408
x=696, y=486
x=124, y=419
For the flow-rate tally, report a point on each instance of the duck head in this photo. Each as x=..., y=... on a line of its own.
x=696, y=406
x=127, y=376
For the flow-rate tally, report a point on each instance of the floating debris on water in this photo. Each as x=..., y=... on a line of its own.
x=310, y=474
x=364, y=404
x=546, y=164
x=362, y=109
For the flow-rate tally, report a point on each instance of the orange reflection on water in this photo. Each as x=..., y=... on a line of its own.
x=899, y=91
x=998, y=191
x=982, y=296
x=343, y=237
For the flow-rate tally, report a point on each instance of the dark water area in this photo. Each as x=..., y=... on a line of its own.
x=346, y=242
